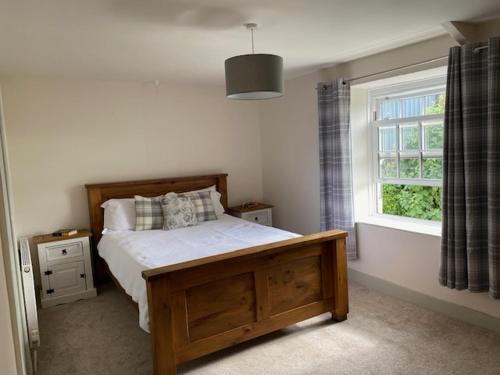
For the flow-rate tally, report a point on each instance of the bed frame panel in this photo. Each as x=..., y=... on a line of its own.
x=208, y=304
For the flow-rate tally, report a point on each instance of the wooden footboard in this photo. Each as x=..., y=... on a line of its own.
x=204, y=305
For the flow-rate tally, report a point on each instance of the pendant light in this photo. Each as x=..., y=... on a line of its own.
x=254, y=76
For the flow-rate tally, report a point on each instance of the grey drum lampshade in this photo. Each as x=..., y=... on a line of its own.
x=255, y=76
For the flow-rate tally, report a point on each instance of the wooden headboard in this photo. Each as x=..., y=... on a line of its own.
x=100, y=193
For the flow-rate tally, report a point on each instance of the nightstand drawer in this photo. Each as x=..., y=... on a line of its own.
x=64, y=252
x=255, y=212
x=259, y=217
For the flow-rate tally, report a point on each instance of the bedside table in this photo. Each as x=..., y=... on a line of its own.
x=260, y=213
x=65, y=268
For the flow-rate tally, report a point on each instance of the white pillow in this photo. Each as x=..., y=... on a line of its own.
x=215, y=196
x=119, y=214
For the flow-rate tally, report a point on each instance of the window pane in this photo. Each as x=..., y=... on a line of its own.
x=387, y=139
x=388, y=168
x=420, y=202
x=409, y=168
x=433, y=135
x=434, y=104
x=433, y=168
x=413, y=106
x=389, y=109
x=409, y=137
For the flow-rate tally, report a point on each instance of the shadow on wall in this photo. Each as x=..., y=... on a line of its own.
x=179, y=13
x=78, y=207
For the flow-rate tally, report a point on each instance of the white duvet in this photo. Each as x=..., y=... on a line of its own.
x=128, y=253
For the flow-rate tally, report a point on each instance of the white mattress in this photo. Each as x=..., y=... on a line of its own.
x=128, y=253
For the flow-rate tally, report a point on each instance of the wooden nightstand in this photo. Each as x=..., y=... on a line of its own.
x=261, y=213
x=65, y=268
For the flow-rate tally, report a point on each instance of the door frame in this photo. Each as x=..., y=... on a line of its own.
x=11, y=259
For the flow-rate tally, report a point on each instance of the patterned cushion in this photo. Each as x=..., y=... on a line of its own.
x=178, y=212
x=203, y=205
x=148, y=213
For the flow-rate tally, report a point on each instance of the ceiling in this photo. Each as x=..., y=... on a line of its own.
x=188, y=40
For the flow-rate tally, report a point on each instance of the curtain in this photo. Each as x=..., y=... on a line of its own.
x=470, y=249
x=335, y=160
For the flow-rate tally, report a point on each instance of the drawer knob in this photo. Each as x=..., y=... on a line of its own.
x=256, y=218
x=64, y=252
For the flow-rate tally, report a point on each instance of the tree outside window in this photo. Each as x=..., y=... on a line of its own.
x=410, y=148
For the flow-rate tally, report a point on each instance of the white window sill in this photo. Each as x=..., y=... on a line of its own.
x=429, y=228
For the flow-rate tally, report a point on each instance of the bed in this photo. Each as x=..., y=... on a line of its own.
x=128, y=253
x=227, y=281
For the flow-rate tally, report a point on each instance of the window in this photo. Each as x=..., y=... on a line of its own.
x=407, y=127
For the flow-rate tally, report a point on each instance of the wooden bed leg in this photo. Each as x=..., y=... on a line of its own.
x=160, y=325
x=340, y=295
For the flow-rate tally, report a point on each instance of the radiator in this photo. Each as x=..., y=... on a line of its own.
x=29, y=299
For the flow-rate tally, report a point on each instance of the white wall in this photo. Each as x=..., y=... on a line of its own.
x=291, y=177
x=395, y=59
x=64, y=134
x=289, y=130
x=360, y=136
x=290, y=164
x=412, y=260
x=402, y=257
x=7, y=356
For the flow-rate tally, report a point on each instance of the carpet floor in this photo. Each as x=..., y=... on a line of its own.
x=382, y=335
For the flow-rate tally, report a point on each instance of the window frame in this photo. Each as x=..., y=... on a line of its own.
x=397, y=91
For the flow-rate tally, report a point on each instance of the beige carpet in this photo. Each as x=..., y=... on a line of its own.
x=383, y=335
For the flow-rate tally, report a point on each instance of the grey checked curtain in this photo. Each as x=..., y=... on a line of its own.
x=470, y=251
x=335, y=160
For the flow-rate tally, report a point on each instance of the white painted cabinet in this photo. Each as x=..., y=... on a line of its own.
x=263, y=217
x=65, y=269
x=259, y=213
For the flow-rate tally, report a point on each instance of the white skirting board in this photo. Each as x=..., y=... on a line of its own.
x=451, y=309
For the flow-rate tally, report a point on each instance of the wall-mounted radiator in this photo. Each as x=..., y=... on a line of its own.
x=29, y=299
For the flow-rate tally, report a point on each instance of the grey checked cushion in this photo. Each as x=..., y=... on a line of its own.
x=178, y=212
x=203, y=205
x=148, y=213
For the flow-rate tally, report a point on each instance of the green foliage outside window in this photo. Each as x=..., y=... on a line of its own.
x=433, y=168
x=389, y=168
x=433, y=135
x=409, y=168
x=420, y=202
x=409, y=138
x=437, y=108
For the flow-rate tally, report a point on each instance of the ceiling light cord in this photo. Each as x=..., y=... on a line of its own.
x=251, y=26
x=253, y=48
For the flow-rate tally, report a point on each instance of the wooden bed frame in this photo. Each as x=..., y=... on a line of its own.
x=201, y=306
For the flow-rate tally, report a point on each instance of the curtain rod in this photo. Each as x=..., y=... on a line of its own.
x=396, y=69
x=477, y=49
